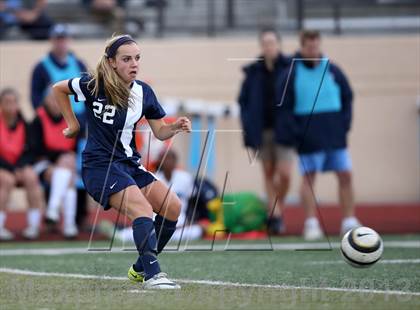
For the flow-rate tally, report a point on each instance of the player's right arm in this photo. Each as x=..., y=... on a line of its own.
x=61, y=92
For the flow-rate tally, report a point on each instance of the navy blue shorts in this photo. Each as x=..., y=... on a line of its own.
x=101, y=183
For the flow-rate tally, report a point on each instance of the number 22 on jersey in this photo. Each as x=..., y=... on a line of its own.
x=107, y=115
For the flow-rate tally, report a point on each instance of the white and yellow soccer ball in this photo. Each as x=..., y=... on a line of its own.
x=361, y=247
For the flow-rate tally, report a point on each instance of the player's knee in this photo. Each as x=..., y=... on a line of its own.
x=7, y=180
x=174, y=209
x=30, y=178
x=285, y=178
x=67, y=161
x=140, y=209
x=344, y=178
x=134, y=207
x=308, y=181
x=268, y=171
x=303, y=189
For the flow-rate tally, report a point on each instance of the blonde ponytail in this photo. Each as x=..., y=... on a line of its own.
x=116, y=90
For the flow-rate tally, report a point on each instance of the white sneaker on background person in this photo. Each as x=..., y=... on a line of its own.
x=31, y=233
x=312, y=230
x=349, y=223
x=70, y=232
x=33, y=218
x=6, y=235
x=52, y=216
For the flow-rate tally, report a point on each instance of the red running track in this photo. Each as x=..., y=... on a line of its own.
x=384, y=218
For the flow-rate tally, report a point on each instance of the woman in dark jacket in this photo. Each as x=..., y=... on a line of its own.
x=258, y=105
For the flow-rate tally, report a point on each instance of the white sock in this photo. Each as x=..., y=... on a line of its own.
x=33, y=217
x=70, y=208
x=59, y=184
x=311, y=222
x=2, y=219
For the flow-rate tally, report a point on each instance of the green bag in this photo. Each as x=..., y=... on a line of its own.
x=243, y=211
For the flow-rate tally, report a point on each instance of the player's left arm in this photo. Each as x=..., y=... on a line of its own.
x=61, y=92
x=164, y=131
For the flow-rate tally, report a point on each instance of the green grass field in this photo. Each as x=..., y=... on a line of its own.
x=34, y=277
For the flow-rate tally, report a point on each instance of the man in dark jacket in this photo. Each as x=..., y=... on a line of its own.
x=59, y=64
x=258, y=115
x=315, y=111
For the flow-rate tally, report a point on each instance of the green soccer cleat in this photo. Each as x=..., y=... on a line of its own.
x=137, y=277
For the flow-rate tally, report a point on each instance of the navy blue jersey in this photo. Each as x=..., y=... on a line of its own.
x=111, y=135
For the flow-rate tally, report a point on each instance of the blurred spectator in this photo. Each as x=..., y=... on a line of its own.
x=204, y=192
x=155, y=3
x=16, y=157
x=180, y=181
x=104, y=5
x=59, y=64
x=258, y=106
x=318, y=119
x=106, y=11
x=56, y=165
x=149, y=145
x=29, y=15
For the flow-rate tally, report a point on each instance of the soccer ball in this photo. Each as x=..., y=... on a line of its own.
x=361, y=247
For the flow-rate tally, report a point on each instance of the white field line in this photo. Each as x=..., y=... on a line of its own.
x=384, y=261
x=209, y=282
x=142, y=291
x=204, y=247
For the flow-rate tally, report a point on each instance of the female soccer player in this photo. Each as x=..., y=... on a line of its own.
x=112, y=173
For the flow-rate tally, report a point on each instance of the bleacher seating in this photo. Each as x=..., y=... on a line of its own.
x=194, y=16
x=83, y=24
x=140, y=19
